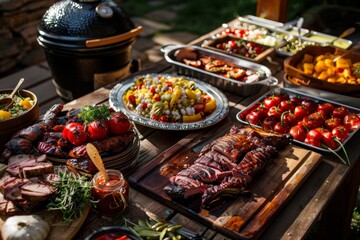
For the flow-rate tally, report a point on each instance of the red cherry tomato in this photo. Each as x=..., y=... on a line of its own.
x=298, y=132
x=164, y=118
x=314, y=120
x=340, y=132
x=119, y=123
x=329, y=140
x=340, y=112
x=269, y=122
x=300, y=112
x=271, y=101
x=252, y=118
x=309, y=105
x=286, y=105
x=260, y=111
x=296, y=101
x=332, y=123
x=326, y=107
x=98, y=129
x=76, y=135
x=281, y=127
x=351, y=121
x=199, y=107
x=314, y=135
x=67, y=128
x=289, y=118
x=275, y=112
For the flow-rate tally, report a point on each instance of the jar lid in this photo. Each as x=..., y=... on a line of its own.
x=74, y=22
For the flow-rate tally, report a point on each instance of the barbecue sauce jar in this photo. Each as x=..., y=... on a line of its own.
x=111, y=197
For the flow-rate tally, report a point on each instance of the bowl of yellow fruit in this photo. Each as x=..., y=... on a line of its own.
x=22, y=112
x=327, y=68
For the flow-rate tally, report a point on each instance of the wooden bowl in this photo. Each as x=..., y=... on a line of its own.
x=10, y=126
x=290, y=68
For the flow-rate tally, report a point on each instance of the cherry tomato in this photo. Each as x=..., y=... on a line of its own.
x=332, y=123
x=300, y=112
x=98, y=129
x=164, y=118
x=329, y=140
x=286, y=105
x=340, y=112
x=296, y=101
x=119, y=123
x=252, y=118
x=269, y=122
x=298, y=132
x=289, y=118
x=326, y=107
x=284, y=97
x=67, y=128
x=314, y=120
x=281, y=127
x=313, y=137
x=275, y=112
x=351, y=121
x=309, y=105
x=314, y=134
x=199, y=107
x=271, y=101
x=340, y=132
x=76, y=135
x=260, y=111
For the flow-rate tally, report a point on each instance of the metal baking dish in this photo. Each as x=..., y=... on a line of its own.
x=325, y=39
x=256, y=33
x=241, y=116
x=224, y=83
x=265, y=50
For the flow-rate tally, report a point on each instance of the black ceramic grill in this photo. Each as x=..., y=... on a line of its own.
x=87, y=44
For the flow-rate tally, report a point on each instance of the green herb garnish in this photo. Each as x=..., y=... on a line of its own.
x=90, y=113
x=73, y=194
x=357, y=70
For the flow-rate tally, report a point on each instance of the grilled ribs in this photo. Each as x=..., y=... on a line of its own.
x=226, y=166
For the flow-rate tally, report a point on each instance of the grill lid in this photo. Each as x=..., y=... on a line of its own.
x=86, y=23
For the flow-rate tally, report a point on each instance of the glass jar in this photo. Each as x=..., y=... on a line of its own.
x=111, y=196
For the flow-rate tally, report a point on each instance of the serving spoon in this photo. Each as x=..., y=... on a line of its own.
x=96, y=159
x=346, y=33
x=9, y=101
x=353, y=49
x=299, y=24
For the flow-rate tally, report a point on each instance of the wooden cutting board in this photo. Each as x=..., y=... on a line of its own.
x=243, y=217
x=59, y=229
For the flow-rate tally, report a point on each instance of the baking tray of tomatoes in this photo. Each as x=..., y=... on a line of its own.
x=316, y=123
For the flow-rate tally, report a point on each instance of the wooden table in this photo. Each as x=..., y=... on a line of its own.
x=322, y=206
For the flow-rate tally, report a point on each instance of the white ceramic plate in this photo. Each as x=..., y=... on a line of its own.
x=222, y=106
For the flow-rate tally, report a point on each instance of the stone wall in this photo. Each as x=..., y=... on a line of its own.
x=18, y=33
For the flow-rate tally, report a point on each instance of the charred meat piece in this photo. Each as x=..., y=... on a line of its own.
x=112, y=144
x=51, y=149
x=49, y=118
x=230, y=187
x=33, y=165
x=182, y=187
x=37, y=191
x=31, y=133
x=234, y=146
x=8, y=208
x=17, y=146
x=203, y=173
x=213, y=156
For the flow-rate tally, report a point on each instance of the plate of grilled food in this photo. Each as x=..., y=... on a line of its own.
x=63, y=135
x=169, y=102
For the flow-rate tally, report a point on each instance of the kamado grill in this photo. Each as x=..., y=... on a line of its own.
x=87, y=44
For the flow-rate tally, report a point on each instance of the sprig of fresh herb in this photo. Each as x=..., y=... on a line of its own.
x=357, y=70
x=73, y=194
x=90, y=113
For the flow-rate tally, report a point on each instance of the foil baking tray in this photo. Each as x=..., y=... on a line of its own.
x=241, y=116
x=221, y=82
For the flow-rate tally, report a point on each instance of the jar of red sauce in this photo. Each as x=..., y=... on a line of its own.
x=111, y=196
